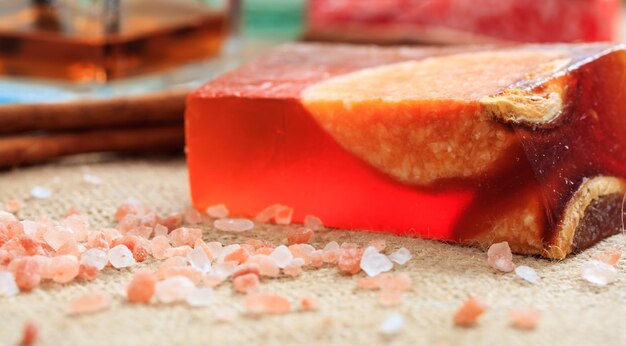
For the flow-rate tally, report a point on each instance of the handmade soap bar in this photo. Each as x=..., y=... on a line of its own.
x=461, y=21
x=476, y=145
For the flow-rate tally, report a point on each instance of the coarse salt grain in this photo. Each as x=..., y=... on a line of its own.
x=313, y=222
x=527, y=273
x=598, y=273
x=40, y=192
x=374, y=263
x=393, y=324
x=469, y=312
x=13, y=205
x=218, y=211
x=499, y=257
x=141, y=287
x=8, y=286
x=89, y=303
x=64, y=268
x=610, y=256
x=29, y=334
x=121, y=257
x=246, y=283
x=267, y=303
x=200, y=296
x=401, y=256
x=94, y=257
x=199, y=260
x=233, y=225
x=57, y=236
x=282, y=256
x=524, y=318
x=308, y=303
x=173, y=289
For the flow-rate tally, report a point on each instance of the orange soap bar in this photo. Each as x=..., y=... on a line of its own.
x=474, y=145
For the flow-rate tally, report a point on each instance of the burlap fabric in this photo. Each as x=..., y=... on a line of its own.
x=574, y=312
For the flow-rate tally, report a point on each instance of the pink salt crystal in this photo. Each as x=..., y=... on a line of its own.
x=218, y=211
x=192, y=217
x=267, y=266
x=29, y=334
x=374, y=263
x=141, y=287
x=527, y=273
x=469, y=312
x=87, y=272
x=299, y=235
x=57, y=236
x=193, y=274
x=176, y=261
x=264, y=251
x=97, y=239
x=172, y=221
x=89, y=303
x=387, y=281
x=349, y=261
x=31, y=246
x=198, y=259
x=141, y=231
x=499, y=257
x=247, y=268
x=390, y=297
x=379, y=244
x=610, y=256
x=224, y=269
x=331, y=256
x=173, y=289
x=240, y=256
x=13, y=205
x=269, y=213
x=160, y=230
x=185, y=236
x=200, y=244
x=293, y=270
x=299, y=252
x=6, y=217
x=127, y=223
x=225, y=315
x=246, y=283
x=282, y=256
x=140, y=253
x=121, y=257
x=44, y=266
x=283, y=216
x=267, y=303
x=599, y=273
x=200, y=297
x=213, y=280
x=159, y=245
x=111, y=234
x=78, y=224
x=401, y=256
x=64, y=268
x=308, y=303
x=233, y=225
x=150, y=220
x=27, y=273
x=216, y=248
x=8, y=286
x=71, y=247
x=181, y=251
x=226, y=250
x=313, y=222
x=524, y=318
x=130, y=206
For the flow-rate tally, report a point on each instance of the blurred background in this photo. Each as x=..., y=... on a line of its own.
x=74, y=69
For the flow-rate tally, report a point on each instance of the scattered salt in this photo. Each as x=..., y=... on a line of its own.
x=282, y=256
x=173, y=289
x=200, y=296
x=393, y=324
x=40, y=192
x=89, y=303
x=94, y=257
x=313, y=222
x=57, y=236
x=29, y=334
x=142, y=286
x=401, y=256
x=267, y=303
x=469, y=312
x=199, y=260
x=8, y=286
x=527, y=273
x=233, y=225
x=599, y=273
x=524, y=318
x=121, y=257
x=499, y=257
x=374, y=263
x=218, y=211
x=610, y=256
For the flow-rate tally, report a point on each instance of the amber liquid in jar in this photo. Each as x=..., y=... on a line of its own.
x=113, y=39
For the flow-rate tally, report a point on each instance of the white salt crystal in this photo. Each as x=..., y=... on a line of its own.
x=91, y=179
x=200, y=296
x=393, y=324
x=224, y=269
x=57, y=236
x=282, y=256
x=527, y=273
x=218, y=211
x=374, y=263
x=332, y=246
x=94, y=257
x=199, y=260
x=8, y=287
x=401, y=256
x=173, y=289
x=599, y=273
x=40, y=192
x=233, y=225
x=121, y=257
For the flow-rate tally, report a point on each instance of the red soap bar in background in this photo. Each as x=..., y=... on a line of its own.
x=462, y=21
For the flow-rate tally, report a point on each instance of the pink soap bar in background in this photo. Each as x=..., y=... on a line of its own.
x=463, y=21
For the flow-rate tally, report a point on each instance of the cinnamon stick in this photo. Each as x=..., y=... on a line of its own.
x=19, y=150
x=159, y=108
